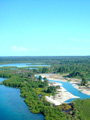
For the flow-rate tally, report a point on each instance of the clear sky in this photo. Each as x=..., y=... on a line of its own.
x=44, y=27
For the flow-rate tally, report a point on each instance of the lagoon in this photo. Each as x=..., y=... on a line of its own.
x=22, y=65
x=13, y=107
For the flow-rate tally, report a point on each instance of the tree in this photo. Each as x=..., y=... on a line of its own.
x=45, y=70
x=51, y=89
x=46, y=82
x=84, y=82
x=39, y=78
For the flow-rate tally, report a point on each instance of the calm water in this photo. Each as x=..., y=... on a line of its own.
x=12, y=106
x=68, y=86
x=21, y=65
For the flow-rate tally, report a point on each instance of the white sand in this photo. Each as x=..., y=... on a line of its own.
x=74, y=81
x=62, y=94
x=83, y=89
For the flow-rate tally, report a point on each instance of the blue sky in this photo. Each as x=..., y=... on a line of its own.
x=44, y=27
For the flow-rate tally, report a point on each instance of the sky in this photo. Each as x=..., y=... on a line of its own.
x=44, y=27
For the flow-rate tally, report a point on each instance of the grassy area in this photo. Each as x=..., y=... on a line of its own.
x=42, y=91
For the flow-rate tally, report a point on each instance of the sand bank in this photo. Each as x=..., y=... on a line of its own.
x=74, y=81
x=62, y=94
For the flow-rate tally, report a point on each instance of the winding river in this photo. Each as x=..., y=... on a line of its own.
x=68, y=86
x=13, y=107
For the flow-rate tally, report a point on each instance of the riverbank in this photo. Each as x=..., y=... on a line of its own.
x=62, y=94
x=74, y=81
x=12, y=105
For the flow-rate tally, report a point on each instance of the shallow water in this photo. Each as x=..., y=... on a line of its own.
x=68, y=86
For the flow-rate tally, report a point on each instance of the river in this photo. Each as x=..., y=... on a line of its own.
x=68, y=86
x=13, y=107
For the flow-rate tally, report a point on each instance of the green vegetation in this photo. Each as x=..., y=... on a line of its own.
x=84, y=82
x=74, y=65
x=81, y=109
x=34, y=89
x=51, y=89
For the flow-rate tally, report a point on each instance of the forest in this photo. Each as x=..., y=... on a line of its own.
x=34, y=89
x=59, y=64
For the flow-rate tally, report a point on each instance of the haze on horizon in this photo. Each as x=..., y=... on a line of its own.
x=44, y=27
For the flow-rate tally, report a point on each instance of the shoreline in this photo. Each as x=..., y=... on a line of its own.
x=61, y=95
x=83, y=89
x=74, y=81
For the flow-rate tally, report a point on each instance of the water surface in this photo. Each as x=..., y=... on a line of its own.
x=12, y=106
x=21, y=65
x=68, y=86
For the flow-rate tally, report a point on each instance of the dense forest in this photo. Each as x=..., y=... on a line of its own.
x=59, y=64
x=34, y=89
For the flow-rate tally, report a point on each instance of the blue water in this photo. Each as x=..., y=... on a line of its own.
x=31, y=68
x=68, y=86
x=12, y=106
x=21, y=65
x=26, y=68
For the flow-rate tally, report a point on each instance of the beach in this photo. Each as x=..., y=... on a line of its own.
x=74, y=81
x=62, y=94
